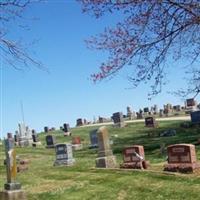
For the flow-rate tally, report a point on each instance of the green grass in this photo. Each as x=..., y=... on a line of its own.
x=82, y=181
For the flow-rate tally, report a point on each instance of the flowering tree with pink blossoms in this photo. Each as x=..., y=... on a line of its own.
x=150, y=33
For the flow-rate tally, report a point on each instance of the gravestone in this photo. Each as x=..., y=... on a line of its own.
x=12, y=189
x=105, y=158
x=79, y=122
x=146, y=110
x=64, y=155
x=46, y=129
x=134, y=158
x=161, y=112
x=50, y=141
x=190, y=102
x=195, y=117
x=150, y=122
x=182, y=158
x=118, y=119
x=93, y=139
x=23, y=139
x=129, y=113
x=76, y=143
x=66, y=129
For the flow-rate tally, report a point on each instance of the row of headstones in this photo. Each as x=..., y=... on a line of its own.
x=181, y=157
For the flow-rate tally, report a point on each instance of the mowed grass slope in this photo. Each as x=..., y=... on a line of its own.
x=82, y=181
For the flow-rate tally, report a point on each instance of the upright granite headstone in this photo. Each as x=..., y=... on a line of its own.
x=118, y=119
x=134, y=158
x=12, y=187
x=195, y=117
x=76, y=143
x=66, y=129
x=50, y=141
x=150, y=122
x=182, y=158
x=93, y=139
x=79, y=122
x=64, y=155
x=46, y=129
x=105, y=158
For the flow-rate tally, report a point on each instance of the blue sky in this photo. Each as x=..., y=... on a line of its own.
x=66, y=93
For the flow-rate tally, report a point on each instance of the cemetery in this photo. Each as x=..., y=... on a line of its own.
x=133, y=165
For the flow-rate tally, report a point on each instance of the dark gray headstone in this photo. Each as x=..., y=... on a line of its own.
x=93, y=139
x=195, y=116
x=50, y=141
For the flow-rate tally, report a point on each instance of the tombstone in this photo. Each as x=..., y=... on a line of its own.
x=76, y=143
x=85, y=121
x=35, y=139
x=50, y=141
x=195, y=117
x=46, y=129
x=102, y=120
x=12, y=189
x=134, y=158
x=66, y=127
x=105, y=158
x=150, y=122
x=79, y=122
x=177, y=108
x=118, y=119
x=190, y=102
x=161, y=112
x=130, y=114
x=93, y=139
x=146, y=110
x=64, y=155
x=155, y=109
x=182, y=158
x=9, y=136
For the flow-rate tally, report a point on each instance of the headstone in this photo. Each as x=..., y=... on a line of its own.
x=50, y=141
x=66, y=127
x=161, y=112
x=182, y=158
x=76, y=143
x=134, y=158
x=105, y=158
x=190, y=102
x=195, y=117
x=79, y=122
x=46, y=129
x=118, y=119
x=64, y=155
x=150, y=122
x=93, y=139
x=12, y=187
x=130, y=114
x=177, y=108
x=146, y=110
x=9, y=136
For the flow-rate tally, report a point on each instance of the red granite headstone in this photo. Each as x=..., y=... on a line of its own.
x=76, y=140
x=182, y=158
x=134, y=157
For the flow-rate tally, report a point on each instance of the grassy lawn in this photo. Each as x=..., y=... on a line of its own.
x=82, y=181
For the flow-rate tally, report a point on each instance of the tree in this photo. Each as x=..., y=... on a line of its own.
x=14, y=52
x=151, y=33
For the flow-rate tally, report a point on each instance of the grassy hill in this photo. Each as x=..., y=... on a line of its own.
x=82, y=181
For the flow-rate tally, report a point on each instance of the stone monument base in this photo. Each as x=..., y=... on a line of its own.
x=50, y=146
x=77, y=146
x=12, y=195
x=12, y=186
x=68, y=162
x=135, y=165
x=106, y=162
x=183, y=168
x=35, y=144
